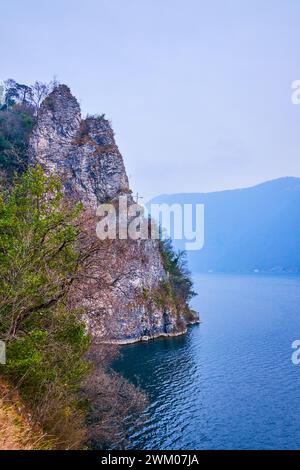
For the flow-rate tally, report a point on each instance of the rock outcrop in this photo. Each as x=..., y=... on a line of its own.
x=120, y=292
x=82, y=152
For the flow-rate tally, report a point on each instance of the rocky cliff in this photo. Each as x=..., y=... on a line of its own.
x=82, y=152
x=120, y=292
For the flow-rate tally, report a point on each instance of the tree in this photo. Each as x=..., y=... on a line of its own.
x=37, y=254
x=16, y=125
x=29, y=95
x=179, y=278
x=17, y=119
x=46, y=341
x=16, y=93
x=47, y=252
x=40, y=90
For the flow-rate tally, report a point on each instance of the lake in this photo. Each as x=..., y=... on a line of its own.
x=229, y=383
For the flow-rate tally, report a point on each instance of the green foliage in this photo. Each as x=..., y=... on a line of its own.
x=178, y=288
x=37, y=256
x=17, y=119
x=46, y=340
x=16, y=93
x=16, y=125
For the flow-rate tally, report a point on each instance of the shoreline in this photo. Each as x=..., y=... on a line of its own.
x=145, y=339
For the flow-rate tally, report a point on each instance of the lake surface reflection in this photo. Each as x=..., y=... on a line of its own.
x=229, y=383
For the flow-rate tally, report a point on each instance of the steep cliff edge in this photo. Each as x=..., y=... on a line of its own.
x=122, y=290
x=82, y=151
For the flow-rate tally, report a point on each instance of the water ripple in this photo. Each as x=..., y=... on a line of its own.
x=229, y=383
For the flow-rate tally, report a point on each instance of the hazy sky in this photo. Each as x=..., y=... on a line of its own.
x=199, y=92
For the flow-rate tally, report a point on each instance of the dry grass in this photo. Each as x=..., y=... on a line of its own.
x=16, y=430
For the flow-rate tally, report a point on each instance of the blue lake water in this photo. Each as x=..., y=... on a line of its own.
x=229, y=383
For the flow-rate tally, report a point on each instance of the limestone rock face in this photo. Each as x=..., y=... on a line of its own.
x=85, y=155
x=58, y=122
x=82, y=152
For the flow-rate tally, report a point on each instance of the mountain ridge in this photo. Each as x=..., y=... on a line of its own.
x=262, y=184
x=253, y=229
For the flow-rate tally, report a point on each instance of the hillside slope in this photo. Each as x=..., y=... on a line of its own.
x=16, y=431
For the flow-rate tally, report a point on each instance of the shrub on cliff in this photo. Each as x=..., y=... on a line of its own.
x=17, y=119
x=179, y=286
x=15, y=127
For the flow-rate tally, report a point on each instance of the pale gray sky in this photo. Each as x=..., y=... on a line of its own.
x=199, y=92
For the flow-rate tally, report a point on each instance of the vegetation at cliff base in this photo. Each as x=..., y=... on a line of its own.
x=46, y=341
x=62, y=381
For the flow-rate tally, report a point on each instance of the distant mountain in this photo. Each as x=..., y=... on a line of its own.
x=254, y=229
